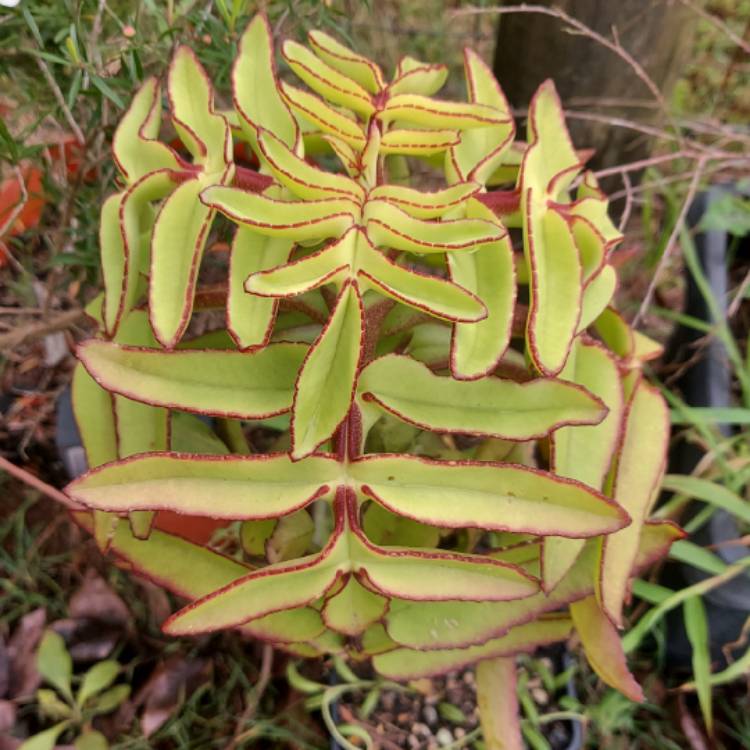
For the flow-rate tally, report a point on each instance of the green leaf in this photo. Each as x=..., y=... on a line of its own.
x=134, y=147
x=421, y=205
x=93, y=408
x=353, y=609
x=205, y=134
x=415, y=142
x=107, y=90
x=252, y=487
x=330, y=120
x=387, y=529
x=615, y=333
x=640, y=466
x=710, y=492
x=555, y=288
x=327, y=81
x=437, y=575
x=326, y=382
x=550, y=163
x=110, y=699
x=445, y=625
x=357, y=67
x=490, y=406
x=436, y=113
x=250, y=318
x=302, y=178
x=254, y=534
x=390, y=226
x=480, y=150
x=327, y=265
x=51, y=706
x=298, y=220
x=54, y=663
x=477, y=347
x=192, y=571
x=279, y=586
x=404, y=664
x=190, y=434
x=597, y=294
x=291, y=537
x=485, y=495
x=603, y=648
x=584, y=453
x=697, y=556
x=439, y=297
x=250, y=385
x=416, y=77
x=91, y=740
x=497, y=702
x=45, y=740
x=256, y=90
x=98, y=678
x=177, y=245
x=696, y=626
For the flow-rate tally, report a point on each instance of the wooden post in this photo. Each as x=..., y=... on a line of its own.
x=533, y=47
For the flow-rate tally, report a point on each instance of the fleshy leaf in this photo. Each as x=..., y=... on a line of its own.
x=321, y=114
x=390, y=226
x=584, y=454
x=640, y=466
x=422, y=205
x=436, y=114
x=413, y=142
x=220, y=383
x=301, y=177
x=490, y=406
x=298, y=220
x=597, y=295
x=439, y=297
x=353, y=609
x=404, y=664
x=480, y=150
x=501, y=497
x=277, y=587
x=177, y=245
x=416, y=77
x=205, y=134
x=325, y=386
x=126, y=221
x=306, y=273
x=250, y=318
x=497, y=701
x=603, y=647
x=327, y=81
x=365, y=72
x=442, y=625
x=134, y=147
x=476, y=348
x=239, y=487
x=555, y=288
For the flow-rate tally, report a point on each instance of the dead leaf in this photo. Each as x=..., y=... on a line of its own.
x=22, y=654
x=167, y=688
x=690, y=728
x=157, y=602
x=97, y=601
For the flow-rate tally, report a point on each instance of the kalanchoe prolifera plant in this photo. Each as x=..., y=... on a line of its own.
x=463, y=477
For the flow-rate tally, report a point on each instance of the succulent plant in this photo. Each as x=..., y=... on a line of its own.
x=481, y=468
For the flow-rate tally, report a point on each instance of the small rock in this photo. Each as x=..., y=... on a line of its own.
x=430, y=715
x=414, y=742
x=388, y=701
x=444, y=737
x=469, y=678
x=459, y=732
x=403, y=718
x=420, y=729
x=540, y=696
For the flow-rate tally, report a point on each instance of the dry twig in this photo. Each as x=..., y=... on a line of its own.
x=21, y=334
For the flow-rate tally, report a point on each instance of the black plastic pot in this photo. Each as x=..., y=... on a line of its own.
x=706, y=382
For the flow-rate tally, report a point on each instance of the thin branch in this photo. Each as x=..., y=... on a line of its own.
x=35, y=483
x=628, y=188
x=77, y=132
x=718, y=23
x=581, y=28
x=32, y=331
x=671, y=242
